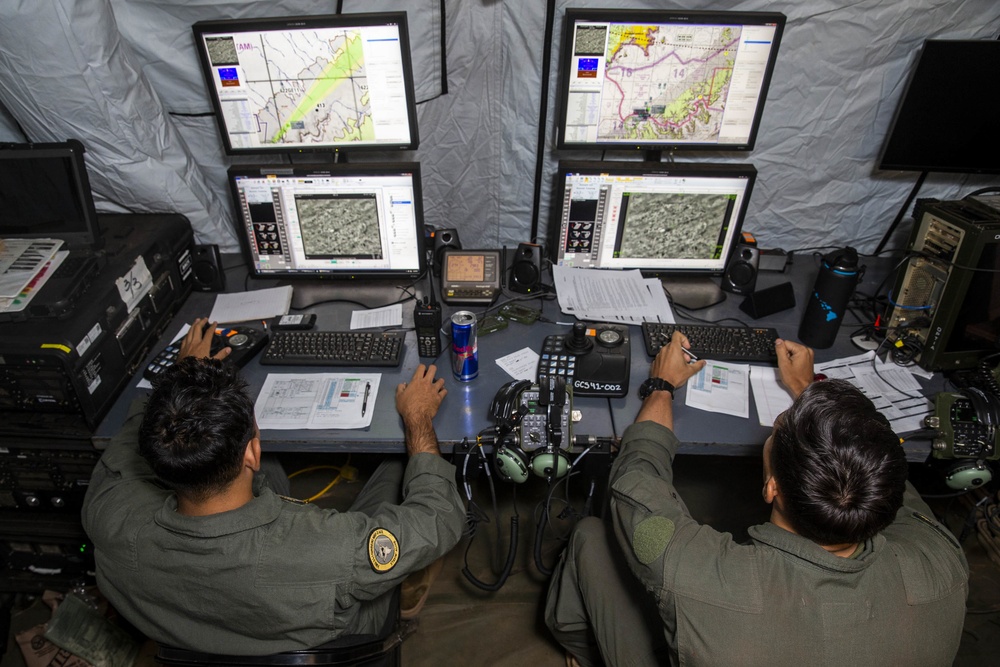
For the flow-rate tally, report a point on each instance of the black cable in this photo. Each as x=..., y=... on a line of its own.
x=550, y=11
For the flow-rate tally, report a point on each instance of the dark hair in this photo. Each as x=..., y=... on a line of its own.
x=196, y=427
x=840, y=468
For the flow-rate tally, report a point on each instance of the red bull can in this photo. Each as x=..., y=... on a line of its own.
x=464, y=346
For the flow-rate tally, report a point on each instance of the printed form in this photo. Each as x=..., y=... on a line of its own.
x=317, y=401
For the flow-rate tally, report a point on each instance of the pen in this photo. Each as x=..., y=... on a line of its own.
x=691, y=355
x=364, y=403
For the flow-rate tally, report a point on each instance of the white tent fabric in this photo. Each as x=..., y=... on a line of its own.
x=122, y=77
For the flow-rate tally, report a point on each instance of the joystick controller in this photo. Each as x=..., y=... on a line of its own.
x=578, y=342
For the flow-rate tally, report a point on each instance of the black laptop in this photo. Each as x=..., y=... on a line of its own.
x=45, y=193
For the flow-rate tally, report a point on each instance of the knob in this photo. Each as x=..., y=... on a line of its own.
x=939, y=444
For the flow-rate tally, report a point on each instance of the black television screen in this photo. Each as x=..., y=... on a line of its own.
x=665, y=79
x=664, y=219
x=311, y=83
x=947, y=118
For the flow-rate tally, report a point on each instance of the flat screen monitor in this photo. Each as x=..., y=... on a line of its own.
x=45, y=193
x=678, y=222
x=946, y=120
x=335, y=226
x=310, y=83
x=665, y=80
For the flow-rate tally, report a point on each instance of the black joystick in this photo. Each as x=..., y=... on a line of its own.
x=578, y=343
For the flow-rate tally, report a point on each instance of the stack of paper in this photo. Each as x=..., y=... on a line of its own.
x=259, y=304
x=620, y=297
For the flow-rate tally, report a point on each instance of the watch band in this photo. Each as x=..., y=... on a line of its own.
x=655, y=384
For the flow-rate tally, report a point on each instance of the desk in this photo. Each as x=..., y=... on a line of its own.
x=465, y=410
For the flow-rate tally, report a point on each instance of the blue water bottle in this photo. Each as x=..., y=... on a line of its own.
x=838, y=277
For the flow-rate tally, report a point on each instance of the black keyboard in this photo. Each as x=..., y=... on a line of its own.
x=334, y=348
x=713, y=341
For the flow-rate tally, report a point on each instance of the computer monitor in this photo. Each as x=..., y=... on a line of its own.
x=677, y=222
x=665, y=80
x=45, y=193
x=310, y=83
x=944, y=121
x=337, y=232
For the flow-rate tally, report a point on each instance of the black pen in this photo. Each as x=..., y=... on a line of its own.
x=364, y=403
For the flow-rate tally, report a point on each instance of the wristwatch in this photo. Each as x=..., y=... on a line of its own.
x=655, y=384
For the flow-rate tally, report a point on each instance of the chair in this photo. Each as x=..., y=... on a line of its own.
x=384, y=649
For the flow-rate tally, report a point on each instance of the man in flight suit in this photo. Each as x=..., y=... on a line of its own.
x=195, y=549
x=852, y=568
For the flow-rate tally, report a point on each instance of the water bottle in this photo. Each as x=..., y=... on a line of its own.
x=838, y=277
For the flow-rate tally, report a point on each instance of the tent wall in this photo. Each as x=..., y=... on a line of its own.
x=122, y=76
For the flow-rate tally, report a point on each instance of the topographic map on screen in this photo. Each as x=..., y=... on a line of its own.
x=666, y=83
x=308, y=87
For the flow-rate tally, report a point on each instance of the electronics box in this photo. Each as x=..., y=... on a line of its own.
x=58, y=379
x=947, y=300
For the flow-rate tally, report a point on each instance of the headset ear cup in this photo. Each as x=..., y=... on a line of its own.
x=511, y=464
x=967, y=474
x=549, y=465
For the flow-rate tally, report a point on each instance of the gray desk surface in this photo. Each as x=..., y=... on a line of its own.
x=465, y=410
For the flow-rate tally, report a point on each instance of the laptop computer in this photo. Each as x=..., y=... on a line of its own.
x=45, y=193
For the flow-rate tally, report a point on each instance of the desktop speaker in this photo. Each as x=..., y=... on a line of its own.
x=769, y=301
x=741, y=273
x=207, y=267
x=526, y=269
x=444, y=239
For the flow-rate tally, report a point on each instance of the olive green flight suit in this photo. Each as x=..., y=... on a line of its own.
x=273, y=575
x=781, y=600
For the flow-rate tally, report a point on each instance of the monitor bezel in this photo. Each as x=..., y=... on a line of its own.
x=331, y=170
x=321, y=21
x=694, y=169
x=662, y=16
x=71, y=152
x=894, y=156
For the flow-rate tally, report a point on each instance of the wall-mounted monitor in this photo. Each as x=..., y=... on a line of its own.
x=946, y=120
x=336, y=226
x=310, y=83
x=664, y=80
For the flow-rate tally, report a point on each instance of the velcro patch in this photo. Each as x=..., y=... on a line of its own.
x=383, y=550
x=650, y=538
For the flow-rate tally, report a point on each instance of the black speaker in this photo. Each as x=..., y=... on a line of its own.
x=443, y=239
x=207, y=266
x=769, y=301
x=526, y=268
x=741, y=274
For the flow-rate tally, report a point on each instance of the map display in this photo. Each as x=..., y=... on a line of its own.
x=298, y=88
x=666, y=83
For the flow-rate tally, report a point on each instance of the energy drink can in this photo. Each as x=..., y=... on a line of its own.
x=464, y=346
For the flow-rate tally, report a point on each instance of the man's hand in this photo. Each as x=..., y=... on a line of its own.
x=672, y=364
x=198, y=341
x=417, y=402
x=795, y=365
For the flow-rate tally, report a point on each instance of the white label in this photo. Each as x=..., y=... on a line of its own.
x=89, y=340
x=135, y=284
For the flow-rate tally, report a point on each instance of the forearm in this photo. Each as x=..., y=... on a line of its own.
x=658, y=407
x=420, y=436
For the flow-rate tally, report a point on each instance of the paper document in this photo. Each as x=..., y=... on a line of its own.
x=893, y=389
x=520, y=365
x=316, y=401
x=720, y=387
x=21, y=259
x=262, y=304
x=16, y=304
x=389, y=316
x=622, y=297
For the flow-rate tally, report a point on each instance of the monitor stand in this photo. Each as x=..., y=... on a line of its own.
x=367, y=293
x=693, y=292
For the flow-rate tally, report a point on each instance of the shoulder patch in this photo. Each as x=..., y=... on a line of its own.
x=383, y=550
x=650, y=538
